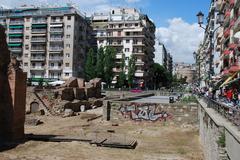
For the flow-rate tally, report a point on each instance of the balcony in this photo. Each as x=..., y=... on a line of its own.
x=16, y=31
x=56, y=29
x=37, y=58
x=226, y=33
x=237, y=24
x=138, y=44
x=39, y=31
x=119, y=56
x=42, y=21
x=38, y=68
x=56, y=39
x=58, y=49
x=16, y=22
x=55, y=68
x=38, y=39
x=15, y=40
x=139, y=73
x=139, y=63
x=38, y=48
x=15, y=49
x=57, y=58
x=57, y=21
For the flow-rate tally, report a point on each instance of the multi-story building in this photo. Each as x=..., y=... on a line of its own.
x=130, y=33
x=169, y=63
x=49, y=42
x=160, y=53
x=183, y=70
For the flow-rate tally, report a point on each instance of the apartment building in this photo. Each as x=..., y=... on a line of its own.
x=49, y=42
x=184, y=70
x=129, y=32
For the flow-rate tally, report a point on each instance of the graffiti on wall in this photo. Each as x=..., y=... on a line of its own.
x=146, y=112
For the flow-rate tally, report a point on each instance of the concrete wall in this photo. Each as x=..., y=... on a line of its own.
x=213, y=126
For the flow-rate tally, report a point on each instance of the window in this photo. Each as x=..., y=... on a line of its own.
x=33, y=64
x=69, y=18
x=127, y=41
x=113, y=11
x=127, y=33
x=136, y=24
x=52, y=64
x=26, y=55
x=27, y=28
x=126, y=49
x=66, y=74
x=68, y=36
x=119, y=42
x=68, y=26
x=59, y=75
x=67, y=64
x=68, y=55
x=27, y=19
x=25, y=64
x=59, y=64
x=43, y=64
x=27, y=47
x=68, y=45
x=27, y=37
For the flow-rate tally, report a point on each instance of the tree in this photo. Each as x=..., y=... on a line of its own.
x=100, y=63
x=122, y=76
x=90, y=65
x=109, y=64
x=131, y=70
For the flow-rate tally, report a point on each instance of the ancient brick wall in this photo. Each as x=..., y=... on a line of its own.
x=12, y=94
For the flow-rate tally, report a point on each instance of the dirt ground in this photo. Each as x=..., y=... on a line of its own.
x=156, y=141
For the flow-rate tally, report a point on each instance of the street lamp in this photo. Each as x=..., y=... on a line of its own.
x=220, y=20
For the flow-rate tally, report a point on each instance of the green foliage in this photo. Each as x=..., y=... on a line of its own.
x=100, y=63
x=189, y=99
x=90, y=65
x=131, y=69
x=221, y=140
x=160, y=76
x=109, y=64
x=122, y=76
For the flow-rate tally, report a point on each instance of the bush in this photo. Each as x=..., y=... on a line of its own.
x=221, y=140
x=189, y=99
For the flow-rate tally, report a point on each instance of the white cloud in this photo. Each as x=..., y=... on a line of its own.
x=180, y=38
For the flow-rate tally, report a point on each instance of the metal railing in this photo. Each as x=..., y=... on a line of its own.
x=229, y=112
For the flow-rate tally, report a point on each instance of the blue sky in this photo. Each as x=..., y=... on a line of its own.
x=176, y=22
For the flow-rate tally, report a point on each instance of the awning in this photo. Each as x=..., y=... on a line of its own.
x=16, y=27
x=39, y=25
x=229, y=79
x=234, y=69
x=227, y=52
x=15, y=35
x=14, y=44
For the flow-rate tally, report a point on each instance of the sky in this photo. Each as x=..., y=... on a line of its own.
x=175, y=20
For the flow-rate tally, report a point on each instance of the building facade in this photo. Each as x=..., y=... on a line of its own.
x=49, y=42
x=130, y=33
x=183, y=70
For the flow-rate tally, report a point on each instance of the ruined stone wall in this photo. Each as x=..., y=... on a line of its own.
x=173, y=113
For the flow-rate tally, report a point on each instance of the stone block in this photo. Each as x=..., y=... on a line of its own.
x=71, y=82
x=90, y=91
x=67, y=94
x=79, y=93
x=81, y=82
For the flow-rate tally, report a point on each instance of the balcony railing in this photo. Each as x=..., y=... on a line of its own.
x=38, y=48
x=37, y=58
x=39, y=30
x=56, y=39
x=56, y=21
x=38, y=39
x=56, y=29
x=56, y=48
x=37, y=67
x=230, y=113
x=15, y=40
x=39, y=21
x=55, y=58
x=16, y=22
x=16, y=31
x=55, y=67
x=15, y=49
